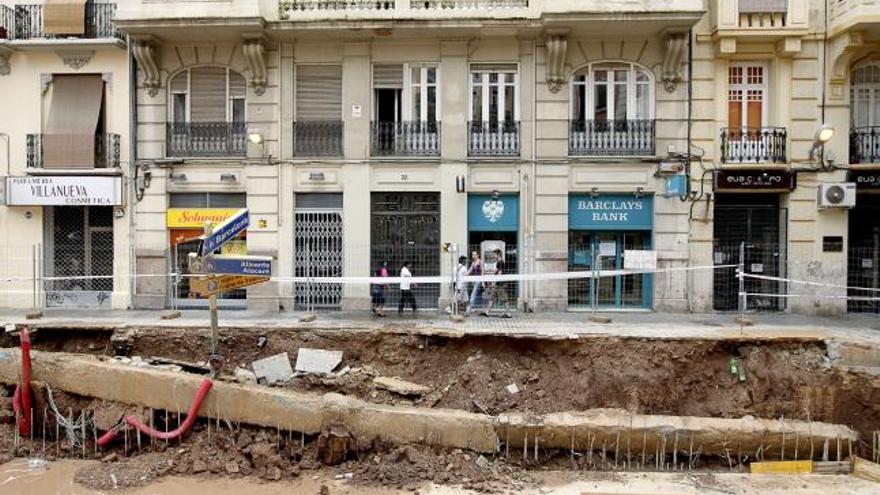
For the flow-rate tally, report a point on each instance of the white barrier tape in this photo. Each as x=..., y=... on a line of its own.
x=807, y=282
x=434, y=279
x=820, y=296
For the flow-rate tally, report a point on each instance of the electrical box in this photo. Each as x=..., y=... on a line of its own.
x=837, y=195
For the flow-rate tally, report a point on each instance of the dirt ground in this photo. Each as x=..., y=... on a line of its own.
x=790, y=379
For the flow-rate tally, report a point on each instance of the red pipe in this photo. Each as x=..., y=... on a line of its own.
x=21, y=399
x=134, y=422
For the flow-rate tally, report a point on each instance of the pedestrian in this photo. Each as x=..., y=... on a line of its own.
x=476, y=269
x=406, y=295
x=497, y=291
x=461, y=292
x=379, y=290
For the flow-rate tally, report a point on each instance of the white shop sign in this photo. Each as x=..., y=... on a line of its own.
x=64, y=191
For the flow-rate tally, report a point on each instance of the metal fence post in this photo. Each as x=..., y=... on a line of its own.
x=740, y=273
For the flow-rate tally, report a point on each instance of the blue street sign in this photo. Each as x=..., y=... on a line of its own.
x=260, y=266
x=226, y=231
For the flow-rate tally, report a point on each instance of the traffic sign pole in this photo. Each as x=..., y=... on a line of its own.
x=212, y=305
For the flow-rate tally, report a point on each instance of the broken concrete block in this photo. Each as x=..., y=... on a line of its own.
x=399, y=386
x=317, y=360
x=512, y=388
x=335, y=445
x=273, y=368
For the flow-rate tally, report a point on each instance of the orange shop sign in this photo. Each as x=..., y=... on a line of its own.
x=195, y=218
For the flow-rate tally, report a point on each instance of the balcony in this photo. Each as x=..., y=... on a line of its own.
x=611, y=138
x=864, y=145
x=487, y=139
x=759, y=20
x=296, y=8
x=853, y=15
x=56, y=151
x=206, y=139
x=403, y=139
x=25, y=22
x=318, y=138
x=753, y=145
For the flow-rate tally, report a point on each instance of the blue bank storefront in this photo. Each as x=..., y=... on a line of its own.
x=601, y=227
x=496, y=218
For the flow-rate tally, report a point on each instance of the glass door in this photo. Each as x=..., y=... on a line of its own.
x=613, y=291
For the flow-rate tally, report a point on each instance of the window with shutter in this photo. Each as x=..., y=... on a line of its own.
x=318, y=93
x=208, y=94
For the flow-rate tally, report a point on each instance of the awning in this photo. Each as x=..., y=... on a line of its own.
x=69, y=140
x=64, y=17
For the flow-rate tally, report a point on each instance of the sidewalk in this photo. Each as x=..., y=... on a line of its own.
x=864, y=328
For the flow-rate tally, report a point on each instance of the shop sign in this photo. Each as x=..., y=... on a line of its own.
x=866, y=180
x=755, y=180
x=486, y=214
x=63, y=191
x=610, y=212
x=195, y=218
x=226, y=231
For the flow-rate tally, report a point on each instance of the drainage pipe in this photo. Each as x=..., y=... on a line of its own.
x=191, y=416
x=21, y=399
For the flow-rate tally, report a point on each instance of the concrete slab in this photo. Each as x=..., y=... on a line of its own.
x=273, y=369
x=317, y=360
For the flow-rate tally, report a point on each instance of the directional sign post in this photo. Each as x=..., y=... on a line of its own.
x=214, y=285
x=225, y=232
x=259, y=266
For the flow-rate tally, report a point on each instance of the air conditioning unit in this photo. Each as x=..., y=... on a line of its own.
x=837, y=195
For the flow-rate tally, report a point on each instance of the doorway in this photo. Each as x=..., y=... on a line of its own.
x=614, y=292
x=863, y=256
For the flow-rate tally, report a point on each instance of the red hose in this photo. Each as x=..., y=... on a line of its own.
x=134, y=422
x=21, y=399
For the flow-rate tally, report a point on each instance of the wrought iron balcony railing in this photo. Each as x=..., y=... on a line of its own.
x=290, y=6
x=7, y=22
x=206, y=139
x=611, y=138
x=310, y=5
x=493, y=138
x=466, y=4
x=414, y=138
x=28, y=23
x=106, y=149
x=753, y=145
x=318, y=138
x=864, y=145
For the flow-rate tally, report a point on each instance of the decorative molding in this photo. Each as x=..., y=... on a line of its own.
x=843, y=50
x=557, y=51
x=254, y=50
x=676, y=42
x=75, y=59
x=45, y=82
x=145, y=51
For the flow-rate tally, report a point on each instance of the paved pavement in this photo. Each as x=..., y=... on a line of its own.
x=542, y=325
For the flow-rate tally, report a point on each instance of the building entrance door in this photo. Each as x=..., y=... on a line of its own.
x=406, y=227
x=617, y=292
x=318, y=250
x=864, y=253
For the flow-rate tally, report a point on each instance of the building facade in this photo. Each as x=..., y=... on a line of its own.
x=363, y=132
x=65, y=213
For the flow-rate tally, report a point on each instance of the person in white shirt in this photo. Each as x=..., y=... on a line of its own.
x=460, y=299
x=406, y=295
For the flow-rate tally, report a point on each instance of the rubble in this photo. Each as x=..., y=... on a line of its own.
x=273, y=369
x=401, y=387
x=317, y=360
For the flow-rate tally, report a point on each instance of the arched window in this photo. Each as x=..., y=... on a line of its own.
x=615, y=91
x=207, y=94
x=864, y=96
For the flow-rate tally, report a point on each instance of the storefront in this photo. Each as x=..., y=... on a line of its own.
x=601, y=228
x=863, y=255
x=185, y=220
x=78, y=217
x=495, y=217
x=750, y=222
x=318, y=249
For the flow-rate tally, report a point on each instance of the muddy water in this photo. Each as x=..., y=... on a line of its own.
x=57, y=478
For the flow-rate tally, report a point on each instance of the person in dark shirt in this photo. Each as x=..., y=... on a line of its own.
x=497, y=290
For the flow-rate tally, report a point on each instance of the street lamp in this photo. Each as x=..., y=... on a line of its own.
x=822, y=136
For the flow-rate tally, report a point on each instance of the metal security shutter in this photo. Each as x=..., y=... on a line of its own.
x=208, y=94
x=388, y=76
x=318, y=93
x=762, y=6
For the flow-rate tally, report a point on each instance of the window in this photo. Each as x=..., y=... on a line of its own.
x=405, y=92
x=747, y=92
x=865, y=96
x=612, y=91
x=319, y=93
x=208, y=94
x=208, y=200
x=494, y=93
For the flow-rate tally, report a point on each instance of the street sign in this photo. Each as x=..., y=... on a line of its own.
x=260, y=266
x=213, y=285
x=226, y=231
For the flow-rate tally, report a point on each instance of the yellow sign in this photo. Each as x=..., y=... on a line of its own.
x=211, y=286
x=195, y=218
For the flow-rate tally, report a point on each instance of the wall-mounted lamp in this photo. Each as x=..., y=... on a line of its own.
x=460, y=184
x=228, y=178
x=255, y=137
x=822, y=136
x=640, y=191
x=181, y=177
x=316, y=176
x=143, y=178
x=594, y=192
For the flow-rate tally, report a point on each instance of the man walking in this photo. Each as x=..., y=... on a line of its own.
x=476, y=269
x=406, y=295
x=498, y=290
